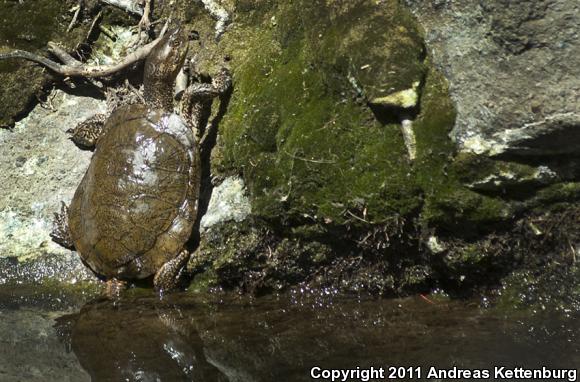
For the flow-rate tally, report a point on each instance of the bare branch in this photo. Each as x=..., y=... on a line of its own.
x=73, y=68
x=76, y=16
x=126, y=5
x=63, y=55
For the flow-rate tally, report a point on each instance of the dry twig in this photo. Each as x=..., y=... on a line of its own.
x=73, y=68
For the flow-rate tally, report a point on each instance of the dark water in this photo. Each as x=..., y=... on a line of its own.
x=228, y=338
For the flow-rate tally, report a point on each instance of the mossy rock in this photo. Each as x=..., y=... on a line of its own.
x=305, y=141
x=300, y=130
x=324, y=166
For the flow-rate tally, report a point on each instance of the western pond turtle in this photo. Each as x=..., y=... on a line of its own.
x=136, y=205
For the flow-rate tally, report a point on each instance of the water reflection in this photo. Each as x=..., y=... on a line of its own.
x=181, y=338
x=138, y=340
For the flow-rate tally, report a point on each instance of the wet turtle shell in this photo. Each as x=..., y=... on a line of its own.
x=136, y=205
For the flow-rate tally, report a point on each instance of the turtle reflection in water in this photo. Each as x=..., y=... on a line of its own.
x=136, y=205
x=138, y=340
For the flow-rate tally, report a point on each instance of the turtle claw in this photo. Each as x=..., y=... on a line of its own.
x=87, y=133
x=144, y=23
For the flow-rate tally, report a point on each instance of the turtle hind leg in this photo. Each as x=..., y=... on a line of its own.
x=113, y=288
x=60, y=230
x=87, y=133
x=167, y=277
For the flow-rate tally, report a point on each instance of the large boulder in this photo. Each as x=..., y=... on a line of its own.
x=514, y=72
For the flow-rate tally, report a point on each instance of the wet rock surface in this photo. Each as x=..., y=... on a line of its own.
x=41, y=167
x=30, y=350
x=229, y=203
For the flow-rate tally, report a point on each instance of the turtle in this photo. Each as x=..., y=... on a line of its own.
x=135, y=208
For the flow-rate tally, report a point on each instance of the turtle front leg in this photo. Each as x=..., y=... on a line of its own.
x=87, y=133
x=198, y=96
x=203, y=92
x=60, y=229
x=167, y=277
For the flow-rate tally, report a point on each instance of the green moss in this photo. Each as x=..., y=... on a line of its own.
x=447, y=202
x=203, y=281
x=567, y=192
x=311, y=150
x=307, y=148
x=29, y=25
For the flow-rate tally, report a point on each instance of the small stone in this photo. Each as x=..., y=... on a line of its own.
x=404, y=99
x=228, y=202
x=20, y=161
x=435, y=246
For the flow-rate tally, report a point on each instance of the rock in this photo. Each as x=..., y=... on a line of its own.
x=514, y=72
x=435, y=246
x=42, y=168
x=228, y=203
x=409, y=137
x=404, y=99
x=506, y=180
x=298, y=124
x=107, y=51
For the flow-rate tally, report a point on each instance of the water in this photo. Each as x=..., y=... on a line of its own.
x=58, y=337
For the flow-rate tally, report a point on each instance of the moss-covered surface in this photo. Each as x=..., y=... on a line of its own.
x=336, y=200
x=548, y=254
x=300, y=131
x=308, y=146
x=325, y=169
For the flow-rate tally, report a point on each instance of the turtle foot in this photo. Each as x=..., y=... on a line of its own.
x=60, y=231
x=167, y=278
x=87, y=133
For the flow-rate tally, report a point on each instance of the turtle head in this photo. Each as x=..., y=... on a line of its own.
x=164, y=63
